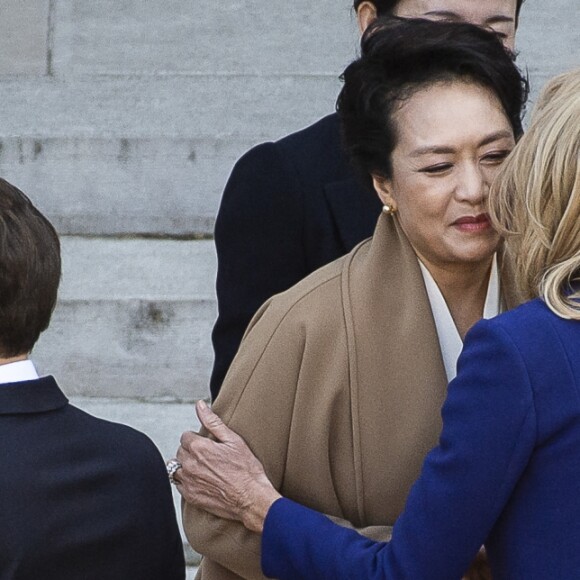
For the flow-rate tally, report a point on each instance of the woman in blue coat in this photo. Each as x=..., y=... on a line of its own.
x=506, y=471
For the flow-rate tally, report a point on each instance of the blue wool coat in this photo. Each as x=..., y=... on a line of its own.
x=506, y=472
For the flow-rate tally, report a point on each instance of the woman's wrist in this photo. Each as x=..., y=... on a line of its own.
x=263, y=496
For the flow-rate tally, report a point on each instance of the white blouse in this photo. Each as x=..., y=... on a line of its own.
x=449, y=338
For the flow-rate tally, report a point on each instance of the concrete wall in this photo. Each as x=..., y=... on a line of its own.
x=122, y=120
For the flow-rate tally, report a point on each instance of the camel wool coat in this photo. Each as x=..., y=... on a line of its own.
x=337, y=388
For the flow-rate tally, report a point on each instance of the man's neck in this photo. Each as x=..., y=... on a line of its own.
x=13, y=359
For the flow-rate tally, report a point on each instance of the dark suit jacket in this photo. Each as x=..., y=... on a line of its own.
x=80, y=498
x=505, y=473
x=289, y=208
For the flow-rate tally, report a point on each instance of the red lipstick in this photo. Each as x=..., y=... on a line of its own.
x=478, y=223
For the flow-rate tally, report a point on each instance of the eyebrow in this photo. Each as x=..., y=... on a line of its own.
x=449, y=15
x=443, y=150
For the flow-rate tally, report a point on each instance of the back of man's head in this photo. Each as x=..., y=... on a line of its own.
x=30, y=270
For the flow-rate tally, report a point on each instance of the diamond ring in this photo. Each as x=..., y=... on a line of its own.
x=172, y=466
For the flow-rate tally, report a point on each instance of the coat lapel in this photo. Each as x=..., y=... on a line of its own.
x=398, y=380
x=354, y=210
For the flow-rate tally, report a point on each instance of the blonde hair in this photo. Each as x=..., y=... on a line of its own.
x=535, y=200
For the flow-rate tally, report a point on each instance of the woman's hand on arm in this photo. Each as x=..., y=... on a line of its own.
x=222, y=476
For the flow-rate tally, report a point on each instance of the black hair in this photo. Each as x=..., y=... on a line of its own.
x=30, y=270
x=401, y=56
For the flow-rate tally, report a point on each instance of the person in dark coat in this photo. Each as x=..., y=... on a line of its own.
x=294, y=205
x=80, y=498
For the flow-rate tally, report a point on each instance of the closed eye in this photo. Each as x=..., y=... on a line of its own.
x=497, y=157
x=435, y=169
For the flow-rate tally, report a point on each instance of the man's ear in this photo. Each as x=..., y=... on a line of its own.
x=366, y=13
x=383, y=188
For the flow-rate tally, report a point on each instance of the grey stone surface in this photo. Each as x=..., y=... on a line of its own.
x=196, y=107
x=130, y=348
x=133, y=320
x=198, y=36
x=143, y=155
x=164, y=186
x=24, y=37
x=101, y=269
x=548, y=39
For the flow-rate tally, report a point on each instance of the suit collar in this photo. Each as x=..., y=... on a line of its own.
x=36, y=396
x=354, y=209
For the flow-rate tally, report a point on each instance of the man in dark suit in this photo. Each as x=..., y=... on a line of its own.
x=80, y=498
x=292, y=206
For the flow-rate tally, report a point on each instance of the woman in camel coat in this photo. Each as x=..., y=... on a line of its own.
x=339, y=381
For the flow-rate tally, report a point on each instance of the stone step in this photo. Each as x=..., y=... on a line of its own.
x=23, y=35
x=116, y=186
x=155, y=269
x=111, y=37
x=133, y=320
x=127, y=156
x=141, y=106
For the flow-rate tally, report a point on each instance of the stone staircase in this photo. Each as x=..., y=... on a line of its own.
x=133, y=319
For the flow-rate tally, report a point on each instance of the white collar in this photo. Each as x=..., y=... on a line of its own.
x=449, y=339
x=16, y=372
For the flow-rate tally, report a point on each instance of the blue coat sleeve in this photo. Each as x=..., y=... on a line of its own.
x=489, y=432
x=258, y=237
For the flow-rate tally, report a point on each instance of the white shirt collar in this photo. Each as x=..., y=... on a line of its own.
x=449, y=339
x=16, y=372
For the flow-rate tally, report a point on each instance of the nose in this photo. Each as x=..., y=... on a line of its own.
x=473, y=184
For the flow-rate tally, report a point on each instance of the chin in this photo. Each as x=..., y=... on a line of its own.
x=477, y=257
x=480, y=252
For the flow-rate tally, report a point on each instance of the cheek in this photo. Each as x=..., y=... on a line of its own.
x=427, y=210
x=422, y=206
x=422, y=223
x=490, y=172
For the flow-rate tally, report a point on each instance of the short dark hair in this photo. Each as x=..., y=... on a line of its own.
x=401, y=56
x=385, y=7
x=30, y=269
